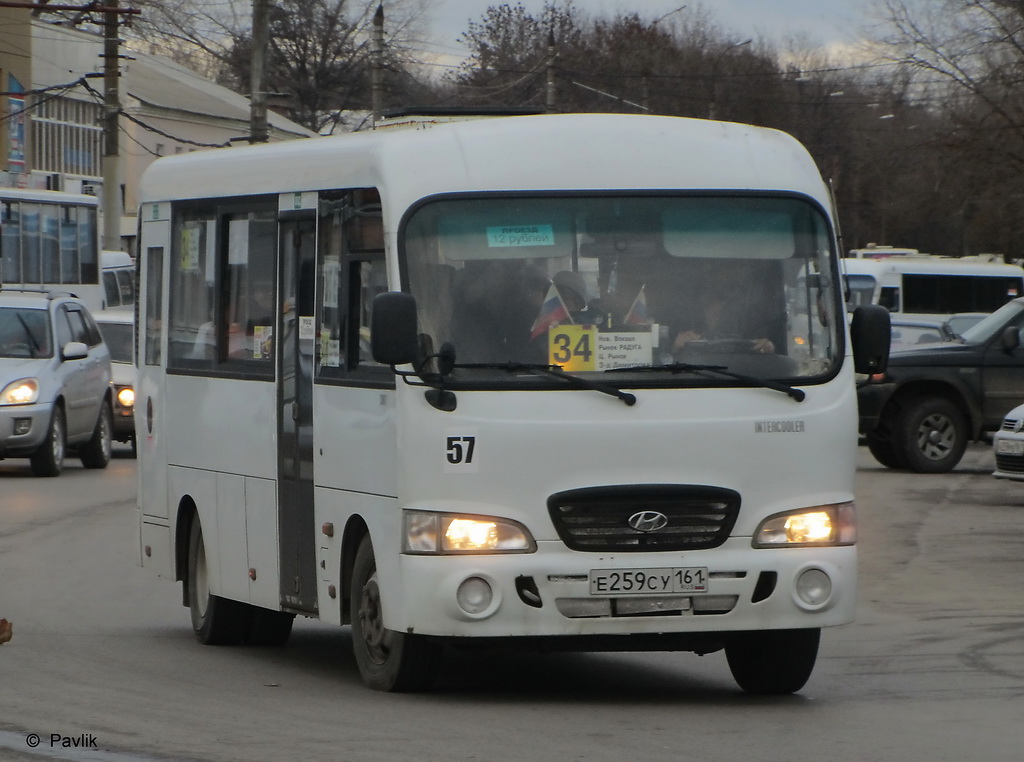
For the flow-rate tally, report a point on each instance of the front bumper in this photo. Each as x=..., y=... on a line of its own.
x=748, y=590
x=33, y=420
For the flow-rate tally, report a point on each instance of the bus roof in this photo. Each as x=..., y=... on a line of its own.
x=48, y=196
x=549, y=152
x=929, y=265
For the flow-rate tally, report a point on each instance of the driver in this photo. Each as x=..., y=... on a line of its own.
x=721, y=313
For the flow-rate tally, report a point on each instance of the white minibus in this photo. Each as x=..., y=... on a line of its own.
x=117, y=269
x=525, y=381
x=930, y=286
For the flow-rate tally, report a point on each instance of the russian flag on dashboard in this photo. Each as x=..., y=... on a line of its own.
x=552, y=312
x=637, y=314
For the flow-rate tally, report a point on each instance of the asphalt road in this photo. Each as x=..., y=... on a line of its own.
x=103, y=666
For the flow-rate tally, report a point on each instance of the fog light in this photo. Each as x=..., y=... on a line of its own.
x=474, y=595
x=814, y=587
x=22, y=426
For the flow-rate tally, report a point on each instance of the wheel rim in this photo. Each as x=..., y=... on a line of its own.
x=371, y=623
x=105, y=433
x=936, y=436
x=57, y=440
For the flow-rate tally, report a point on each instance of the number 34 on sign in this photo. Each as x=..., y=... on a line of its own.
x=583, y=347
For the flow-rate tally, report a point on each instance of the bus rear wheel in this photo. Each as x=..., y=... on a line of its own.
x=772, y=662
x=388, y=660
x=216, y=621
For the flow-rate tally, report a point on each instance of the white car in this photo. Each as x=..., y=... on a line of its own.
x=118, y=329
x=55, y=391
x=1008, y=446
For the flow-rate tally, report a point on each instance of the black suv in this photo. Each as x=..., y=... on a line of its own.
x=932, y=400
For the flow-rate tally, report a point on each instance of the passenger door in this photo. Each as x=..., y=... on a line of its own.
x=85, y=379
x=295, y=411
x=1002, y=377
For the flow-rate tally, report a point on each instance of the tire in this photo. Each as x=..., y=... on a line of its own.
x=387, y=660
x=96, y=452
x=930, y=435
x=269, y=628
x=881, y=448
x=773, y=662
x=48, y=460
x=216, y=621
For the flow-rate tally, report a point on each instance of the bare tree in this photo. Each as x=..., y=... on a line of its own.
x=319, y=49
x=968, y=57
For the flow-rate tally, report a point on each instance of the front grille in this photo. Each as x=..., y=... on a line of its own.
x=1009, y=424
x=597, y=518
x=1010, y=464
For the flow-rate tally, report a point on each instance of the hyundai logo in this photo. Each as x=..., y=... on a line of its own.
x=648, y=521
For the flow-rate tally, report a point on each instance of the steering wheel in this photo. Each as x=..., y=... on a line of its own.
x=728, y=346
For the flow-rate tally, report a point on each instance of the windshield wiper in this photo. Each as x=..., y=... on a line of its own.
x=551, y=371
x=28, y=332
x=686, y=367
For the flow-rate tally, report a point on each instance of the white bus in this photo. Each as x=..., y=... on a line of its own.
x=370, y=392
x=50, y=240
x=928, y=286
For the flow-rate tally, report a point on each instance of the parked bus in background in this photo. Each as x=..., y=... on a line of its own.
x=118, y=273
x=467, y=384
x=929, y=286
x=50, y=240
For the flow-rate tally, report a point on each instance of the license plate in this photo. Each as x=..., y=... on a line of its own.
x=691, y=579
x=1010, y=447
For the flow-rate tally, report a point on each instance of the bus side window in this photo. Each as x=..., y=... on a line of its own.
x=373, y=280
x=352, y=270
x=154, y=303
x=10, y=241
x=890, y=298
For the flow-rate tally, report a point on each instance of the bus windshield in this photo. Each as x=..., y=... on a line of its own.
x=620, y=286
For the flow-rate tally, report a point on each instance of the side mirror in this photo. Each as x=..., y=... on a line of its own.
x=74, y=350
x=1010, y=338
x=871, y=334
x=394, y=339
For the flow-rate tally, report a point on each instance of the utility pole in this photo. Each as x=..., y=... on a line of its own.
x=257, y=89
x=113, y=203
x=377, y=66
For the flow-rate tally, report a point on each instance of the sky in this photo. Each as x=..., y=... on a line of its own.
x=829, y=23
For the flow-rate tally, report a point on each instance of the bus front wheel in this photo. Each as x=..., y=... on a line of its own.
x=772, y=662
x=388, y=660
x=216, y=621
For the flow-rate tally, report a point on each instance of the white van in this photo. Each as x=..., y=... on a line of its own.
x=931, y=286
x=118, y=270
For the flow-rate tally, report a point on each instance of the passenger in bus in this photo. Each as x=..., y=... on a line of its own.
x=573, y=290
x=496, y=304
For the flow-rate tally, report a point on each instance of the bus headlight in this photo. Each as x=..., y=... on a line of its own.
x=818, y=525
x=126, y=397
x=24, y=391
x=444, y=533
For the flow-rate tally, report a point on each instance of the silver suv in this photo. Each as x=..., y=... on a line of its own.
x=55, y=390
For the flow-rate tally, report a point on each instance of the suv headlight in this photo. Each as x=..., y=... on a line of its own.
x=24, y=391
x=447, y=534
x=818, y=525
